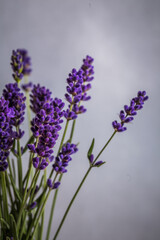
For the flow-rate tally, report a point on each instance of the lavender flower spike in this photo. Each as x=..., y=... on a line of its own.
x=26, y=62
x=17, y=65
x=6, y=133
x=39, y=96
x=45, y=127
x=16, y=101
x=64, y=157
x=78, y=86
x=127, y=114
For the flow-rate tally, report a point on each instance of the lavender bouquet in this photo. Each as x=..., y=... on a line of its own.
x=23, y=197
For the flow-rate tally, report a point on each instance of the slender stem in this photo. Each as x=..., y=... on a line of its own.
x=80, y=185
x=72, y=130
x=4, y=197
x=43, y=214
x=60, y=178
x=42, y=209
x=9, y=189
x=16, y=193
x=19, y=164
x=52, y=210
x=1, y=224
x=63, y=137
x=30, y=167
x=30, y=201
x=71, y=202
x=42, y=224
x=105, y=146
x=35, y=216
x=25, y=200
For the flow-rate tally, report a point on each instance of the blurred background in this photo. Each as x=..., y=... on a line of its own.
x=120, y=200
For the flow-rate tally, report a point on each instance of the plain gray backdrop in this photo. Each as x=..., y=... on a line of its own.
x=121, y=200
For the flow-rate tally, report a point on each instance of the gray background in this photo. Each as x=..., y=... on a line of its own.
x=120, y=200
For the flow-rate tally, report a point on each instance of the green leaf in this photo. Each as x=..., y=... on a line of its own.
x=4, y=222
x=15, y=189
x=14, y=170
x=13, y=227
x=91, y=148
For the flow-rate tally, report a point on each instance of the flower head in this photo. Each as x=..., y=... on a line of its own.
x=17, y=65
x=6, y=133
x=26, y=61
x=45, y=127
x=39, y=96
x=78, y=87
x=16, y=101
x=64, y=157
x=127, y=114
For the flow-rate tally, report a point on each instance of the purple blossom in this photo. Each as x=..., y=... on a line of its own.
x=17, y=65
x=32, y=205
x=39, y=96
x=26, y=61
x=45, y=127
x=127, y=114
x=78, y=87
x=64, y=157
x=91, y=158
x=6, y=133
x=27, y=87
x=16, y=101
x=51, y=185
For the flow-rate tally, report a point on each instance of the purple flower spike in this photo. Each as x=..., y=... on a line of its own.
x=17, y=65
x=78, y=87
x=45, y=126
x=64, y=157
x=26, y=61
x=6, y=133
x=16, y=101
x=39, y=97
x=126, y=116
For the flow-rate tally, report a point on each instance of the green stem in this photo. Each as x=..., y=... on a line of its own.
x=19, y=164
x=9, y=189
x=16, y=193
x=56, y=192
x=60, y=178
x=41, y=228
x=25, y=200
x=79, y=187
x=71, y=202
x=72, y=130
x=43, y=214
x=52, y=209
x=105, y=146
x=4, y=197
x=63, y=137
x=30, y=201
x=42, y=209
